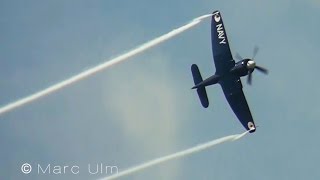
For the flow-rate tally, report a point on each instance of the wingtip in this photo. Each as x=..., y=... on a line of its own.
x=215, y=12
x=252, y=129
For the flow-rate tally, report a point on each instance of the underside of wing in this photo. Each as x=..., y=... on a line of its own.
x=220, y=46
x=232, y=89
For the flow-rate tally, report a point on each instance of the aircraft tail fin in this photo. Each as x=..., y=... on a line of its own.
x=202, y=93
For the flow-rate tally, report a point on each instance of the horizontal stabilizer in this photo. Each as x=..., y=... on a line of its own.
x=202, y=89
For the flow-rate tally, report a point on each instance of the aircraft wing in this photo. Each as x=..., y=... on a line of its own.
x=232, y=88
x=220, y=46
x=231, y=84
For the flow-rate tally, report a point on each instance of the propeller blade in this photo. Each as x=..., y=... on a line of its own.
x=255, y=51
x=238, y=57
x=249, y=80
x=261, y=69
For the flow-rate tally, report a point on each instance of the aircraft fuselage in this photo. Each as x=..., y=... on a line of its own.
x=241, y=69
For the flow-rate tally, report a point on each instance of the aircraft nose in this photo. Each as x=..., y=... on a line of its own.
x=251, y=64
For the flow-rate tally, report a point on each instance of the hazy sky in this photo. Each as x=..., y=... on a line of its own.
x=144, y=108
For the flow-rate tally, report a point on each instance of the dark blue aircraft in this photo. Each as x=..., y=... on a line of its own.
x=228, y=74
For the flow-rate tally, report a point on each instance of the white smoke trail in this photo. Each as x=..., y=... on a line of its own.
x=102, y=66
x=176, y=155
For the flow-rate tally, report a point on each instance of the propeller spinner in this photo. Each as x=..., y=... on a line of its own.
x=251, y=65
